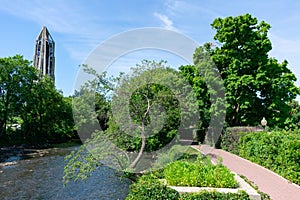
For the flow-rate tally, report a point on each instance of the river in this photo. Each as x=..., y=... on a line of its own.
x=41, y=178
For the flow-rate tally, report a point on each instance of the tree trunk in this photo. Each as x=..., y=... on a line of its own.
x=5, y=117
x=137, y=159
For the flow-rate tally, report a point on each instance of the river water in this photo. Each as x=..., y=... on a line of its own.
x=41, y=178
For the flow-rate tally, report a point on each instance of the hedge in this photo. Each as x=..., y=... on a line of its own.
x=278, y=151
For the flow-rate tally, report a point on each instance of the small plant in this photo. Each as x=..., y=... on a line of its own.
x=177, y=152
x=230, y=139
x=149, y=187
x=204, y=195
x=201, y=173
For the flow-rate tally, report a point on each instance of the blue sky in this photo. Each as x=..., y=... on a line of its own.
x=79, y=26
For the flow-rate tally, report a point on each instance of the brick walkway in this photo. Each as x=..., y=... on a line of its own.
x=267, y=181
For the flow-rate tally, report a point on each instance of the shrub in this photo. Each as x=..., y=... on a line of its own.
x=201, y=173
x=231, y=136
x=277, y=151
x=204, y=195
x=177, y=152
x=148, y=187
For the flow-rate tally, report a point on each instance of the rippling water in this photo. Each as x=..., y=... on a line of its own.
x=41, y=178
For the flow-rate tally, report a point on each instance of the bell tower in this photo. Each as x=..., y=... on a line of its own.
x=44, y=59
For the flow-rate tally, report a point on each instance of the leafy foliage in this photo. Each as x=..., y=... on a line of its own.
x=157, y=95
x=148, y=187
x=230, y=139
x=202, y=173
x=277, y=151
x=94, y=153
x=209, y=88
x=140, y=111
x=32, y=103
x=204, y=195
x=193, y=76
x=176, y=152
x=159, y=106
x=256, y=86
x=293, y=120
x=81, y=164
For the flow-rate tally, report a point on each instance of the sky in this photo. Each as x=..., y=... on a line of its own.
x=79, y=26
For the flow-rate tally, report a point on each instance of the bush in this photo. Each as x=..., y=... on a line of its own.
x=202, y=173
x=177, y=152
x=230, y=138
x=277, y=151
x=148, y=187
x=204, y=195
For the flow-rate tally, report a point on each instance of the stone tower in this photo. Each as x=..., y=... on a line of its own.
x=44, y=59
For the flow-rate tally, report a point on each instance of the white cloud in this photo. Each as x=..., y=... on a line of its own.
x=167, y=23
x=284, y=45
x=60, y=17
x=286, y=49
x=183, y=8
x=72, y=20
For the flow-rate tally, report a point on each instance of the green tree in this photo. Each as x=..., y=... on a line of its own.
x=195, y=79
x=293, y=121
x=209, y=88
x=31, y=102
x=148, y=108
x=15, y=75
x=256, y=85
x=154, y=112
x=91, y=103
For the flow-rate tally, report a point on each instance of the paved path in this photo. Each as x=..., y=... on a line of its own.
x=267, y=181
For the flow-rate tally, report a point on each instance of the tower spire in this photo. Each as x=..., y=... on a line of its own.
x=44, y=59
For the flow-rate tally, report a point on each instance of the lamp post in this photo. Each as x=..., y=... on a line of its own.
x=263, y=123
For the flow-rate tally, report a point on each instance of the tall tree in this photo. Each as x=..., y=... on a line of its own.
x=30, y=101
x=209, y=88
x=15, y=74
x=193, y=76
x=256, y=85
x=46, y=114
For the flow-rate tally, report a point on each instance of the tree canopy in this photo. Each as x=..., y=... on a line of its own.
x=257, y=85
x=31, y=109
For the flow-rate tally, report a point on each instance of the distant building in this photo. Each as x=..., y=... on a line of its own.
x=44, y=59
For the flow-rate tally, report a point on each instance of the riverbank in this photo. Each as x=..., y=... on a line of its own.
x=14, y=153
